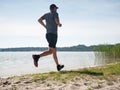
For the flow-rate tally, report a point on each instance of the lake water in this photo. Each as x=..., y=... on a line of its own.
x=19, y=63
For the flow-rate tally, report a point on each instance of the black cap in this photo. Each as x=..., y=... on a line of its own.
x=53, y=6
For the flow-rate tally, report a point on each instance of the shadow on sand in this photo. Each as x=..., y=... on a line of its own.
x=85, y=71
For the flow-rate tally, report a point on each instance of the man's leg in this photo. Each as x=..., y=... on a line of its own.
x=36, y=57
x=51, y=51
x=59, y=67
x=55, y=55
x=45, y=53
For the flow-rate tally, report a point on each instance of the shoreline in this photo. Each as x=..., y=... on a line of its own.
x=40, y=72
x=94, y=78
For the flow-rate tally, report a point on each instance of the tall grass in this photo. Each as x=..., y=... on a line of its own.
x=108, y=53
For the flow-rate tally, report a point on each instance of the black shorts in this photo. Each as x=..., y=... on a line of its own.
x=52, y=39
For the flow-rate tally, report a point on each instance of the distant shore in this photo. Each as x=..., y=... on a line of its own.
x=103, y=78
x=70, y=48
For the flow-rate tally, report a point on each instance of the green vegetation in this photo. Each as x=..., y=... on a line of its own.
x=108, y=53
x=62, y=76
x=89, y=89
x=101, y=72
x=110, y=50
x=113, y=69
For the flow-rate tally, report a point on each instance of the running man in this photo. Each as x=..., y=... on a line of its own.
x=52, y=22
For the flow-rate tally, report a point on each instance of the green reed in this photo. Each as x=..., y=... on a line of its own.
x=108, y=52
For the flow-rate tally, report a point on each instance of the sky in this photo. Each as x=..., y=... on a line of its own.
x=88, y=22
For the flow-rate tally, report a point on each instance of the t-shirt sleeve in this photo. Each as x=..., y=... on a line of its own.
x=56, y=16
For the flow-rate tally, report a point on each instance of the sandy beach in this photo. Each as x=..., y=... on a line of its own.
x=84, y=79
x=86, y=83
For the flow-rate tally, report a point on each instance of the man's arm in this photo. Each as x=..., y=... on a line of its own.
x=58, y=22
x=40, y=20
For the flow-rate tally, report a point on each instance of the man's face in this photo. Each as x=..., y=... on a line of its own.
x=55, y=9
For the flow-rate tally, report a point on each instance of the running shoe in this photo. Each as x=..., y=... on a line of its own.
x=36, y=58
x=59, y=67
